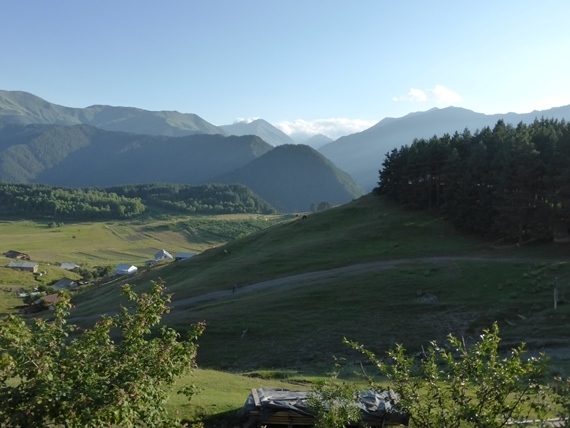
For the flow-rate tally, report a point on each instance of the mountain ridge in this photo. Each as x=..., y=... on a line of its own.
x=260, y=127
x=361, y=154
x=293, y=166
x=86, y=156
x=19, y=107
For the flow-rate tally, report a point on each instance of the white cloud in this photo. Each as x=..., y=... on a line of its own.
x=332, y=128
x=245, y=120
x=414, y=95
x=439, y=94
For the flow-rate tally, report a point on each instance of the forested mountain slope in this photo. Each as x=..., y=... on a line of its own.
x=362, y=153
x=292, y=177
x=84, y=156
x=505, y=182
x=39, y=201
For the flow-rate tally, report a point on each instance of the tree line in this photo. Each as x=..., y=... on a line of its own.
x=201, y=199
x=509, y=182
x=124, y=202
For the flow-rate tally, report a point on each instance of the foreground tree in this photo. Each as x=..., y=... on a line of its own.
x=47, y=379
x=332, y=402
x=466, y=386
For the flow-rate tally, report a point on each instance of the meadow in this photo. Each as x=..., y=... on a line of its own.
x=368, y=271
x=109, y=243
x=299, y=324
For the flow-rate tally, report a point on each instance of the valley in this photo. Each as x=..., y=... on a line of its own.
x=280, y=287
x=368, y=271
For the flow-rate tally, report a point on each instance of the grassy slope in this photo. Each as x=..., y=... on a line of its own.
x=110, y=243
x=90, y=243
x=101, y=243
x=301, y=326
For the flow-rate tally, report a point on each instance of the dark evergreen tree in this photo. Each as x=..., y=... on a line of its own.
x=510, y=182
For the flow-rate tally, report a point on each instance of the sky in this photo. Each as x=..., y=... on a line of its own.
x=332, y=67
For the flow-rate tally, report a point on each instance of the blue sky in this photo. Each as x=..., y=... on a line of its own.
x=335, y=67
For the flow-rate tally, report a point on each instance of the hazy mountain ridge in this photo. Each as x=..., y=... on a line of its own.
x=362, y=154
x=316, y=141
x=309, y=176
x=263, y=129
x=22, y=108
x=86, y=156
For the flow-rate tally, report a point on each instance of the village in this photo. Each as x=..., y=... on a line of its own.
x=43, y=297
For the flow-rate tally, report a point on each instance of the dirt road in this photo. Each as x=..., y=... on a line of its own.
x=345, y=271
x=304, y=278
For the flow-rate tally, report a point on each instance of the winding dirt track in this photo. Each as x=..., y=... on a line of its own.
x=304, y=278
x=345, y=271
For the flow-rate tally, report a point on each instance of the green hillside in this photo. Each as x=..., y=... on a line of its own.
x=389, y=276
x=91, y=244
x=293, y=177
x=84, y=156
x=18, y=107
x=38, y=201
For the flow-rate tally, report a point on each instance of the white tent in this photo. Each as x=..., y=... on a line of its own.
x=125, y=269
x=163, y=255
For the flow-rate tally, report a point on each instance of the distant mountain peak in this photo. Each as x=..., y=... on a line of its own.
x=361, y=154
x=260, y=127
x=19, y=107
x=291, y=177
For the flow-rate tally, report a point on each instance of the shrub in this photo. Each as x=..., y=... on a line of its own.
x=91, y=380
x=460, y=386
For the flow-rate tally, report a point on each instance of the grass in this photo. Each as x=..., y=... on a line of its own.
x=221, y=394
x=11, y=280
x=303, y=327
x=9, y=300
x=102, y=243
x=110, y=243
x=298, y=327
x=362, y=231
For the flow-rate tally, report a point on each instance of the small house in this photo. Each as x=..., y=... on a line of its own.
x=16, y=255
x=163, y=255
x=68, y=266
x=27, y=266
x=65, y=284
x=48, y=301
x=125, y=269
x=183, y=256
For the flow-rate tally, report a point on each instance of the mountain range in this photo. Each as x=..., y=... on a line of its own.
x=22, y=108
x=262, y=129
x=86, y=156
x=296, y=176
x=362, y=154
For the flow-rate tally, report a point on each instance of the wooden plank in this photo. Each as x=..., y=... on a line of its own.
x=255, y=397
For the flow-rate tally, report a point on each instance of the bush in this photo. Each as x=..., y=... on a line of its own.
x=48, y=379
x=459, y=386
